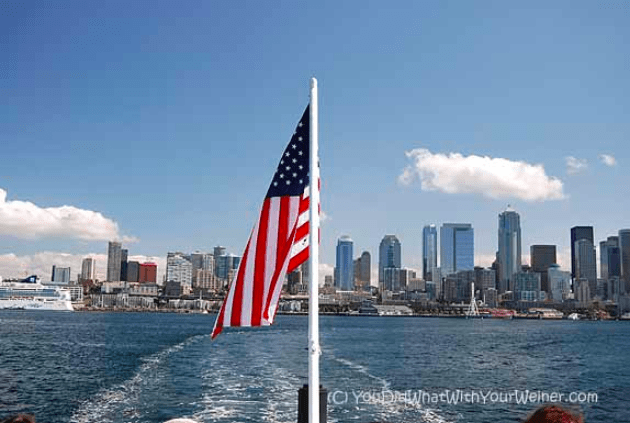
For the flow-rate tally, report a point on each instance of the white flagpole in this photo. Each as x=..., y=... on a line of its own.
x=313, y=245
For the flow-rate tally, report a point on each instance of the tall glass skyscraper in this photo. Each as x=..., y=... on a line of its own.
x=344, y=270
x=541, y=259
x=609, y=264
x=624, y=257
x=509, y=257
x=388, y=256
x=114, y=255
x=586, y=264
x=578, y=233
x=429, y=251
x=457, y=248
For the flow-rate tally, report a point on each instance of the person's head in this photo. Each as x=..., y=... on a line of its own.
x=554, y=414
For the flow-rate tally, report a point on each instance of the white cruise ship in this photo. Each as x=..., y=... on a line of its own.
x=30, y=294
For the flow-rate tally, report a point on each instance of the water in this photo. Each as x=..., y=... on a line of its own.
x=136, y=367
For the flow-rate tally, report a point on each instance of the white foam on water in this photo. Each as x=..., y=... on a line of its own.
x=385, y=409
x=123, y=398
x=255, y=388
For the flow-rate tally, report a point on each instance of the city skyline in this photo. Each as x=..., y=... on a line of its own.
x=164, y=134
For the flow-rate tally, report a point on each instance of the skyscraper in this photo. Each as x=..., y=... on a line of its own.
x=344, y=269
x=60, y=274
x=124, y=255
x=362, y=270
x=609, y=258
x=203, y=262
x=541, y=258
x=586, y=264
x=114, y=254
x=219, y=251
x=429, y=251
x=578, y=233
x=88, y=266
x=225, y=265
x=388, y=256
x=457, y=248
x=624, y=258
x=178, y=268
x=559, y=283
x=509, y=256
x=148, y=273
x=133, y=271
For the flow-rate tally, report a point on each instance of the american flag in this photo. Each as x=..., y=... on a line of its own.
x=278, y=243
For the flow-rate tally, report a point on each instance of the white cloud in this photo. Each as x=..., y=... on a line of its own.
x=40, y=264
x=494, y=178
x=575, y=165
x=325, y=269
x=485, y=260
x=608, y=159
x=23, y=219
x=563, y=258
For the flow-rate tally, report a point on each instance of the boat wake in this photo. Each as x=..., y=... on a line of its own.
x=378, y=401
x=124, y=402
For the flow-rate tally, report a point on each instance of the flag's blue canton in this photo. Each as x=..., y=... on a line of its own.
x=292, y=175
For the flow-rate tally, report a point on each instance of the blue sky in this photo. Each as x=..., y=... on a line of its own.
x=168, y=119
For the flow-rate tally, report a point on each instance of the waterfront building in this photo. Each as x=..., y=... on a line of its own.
x=578, y=233
x=429, y=251
x=457, y=248
x=456, y=286
x=388, y=256
x=344, y=268
x=484, y=279
x=226, y=266
x=527, y=286
x=586, y=263
x=541, y=258
x=430, y=290
x=219, y=251
x=363, y=271
x=114, y=253
x=328, y=281
x=490, y=297
x=205, y=279
x=602, y=289
x=559, y=283
x=133, y=271
x=582, y=292
x=615, y=289
x=88, y=269
x=509, y=255
x=201, y=261
x=609, y=258
x=294, y=281
x=624, y=258
x=124, y=255
x=179, y=269
x=391, y=279
x=148, y=273
x=437, y=279
x=60, y=274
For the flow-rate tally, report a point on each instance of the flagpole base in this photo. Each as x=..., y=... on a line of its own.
x=303, y=404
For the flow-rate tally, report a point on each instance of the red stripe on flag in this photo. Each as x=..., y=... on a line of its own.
x=304, y=205
x=259, y=265
x=284, y=255
x=302, y=231
x=283, y=227
x=237, y=304
x=298, y=259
